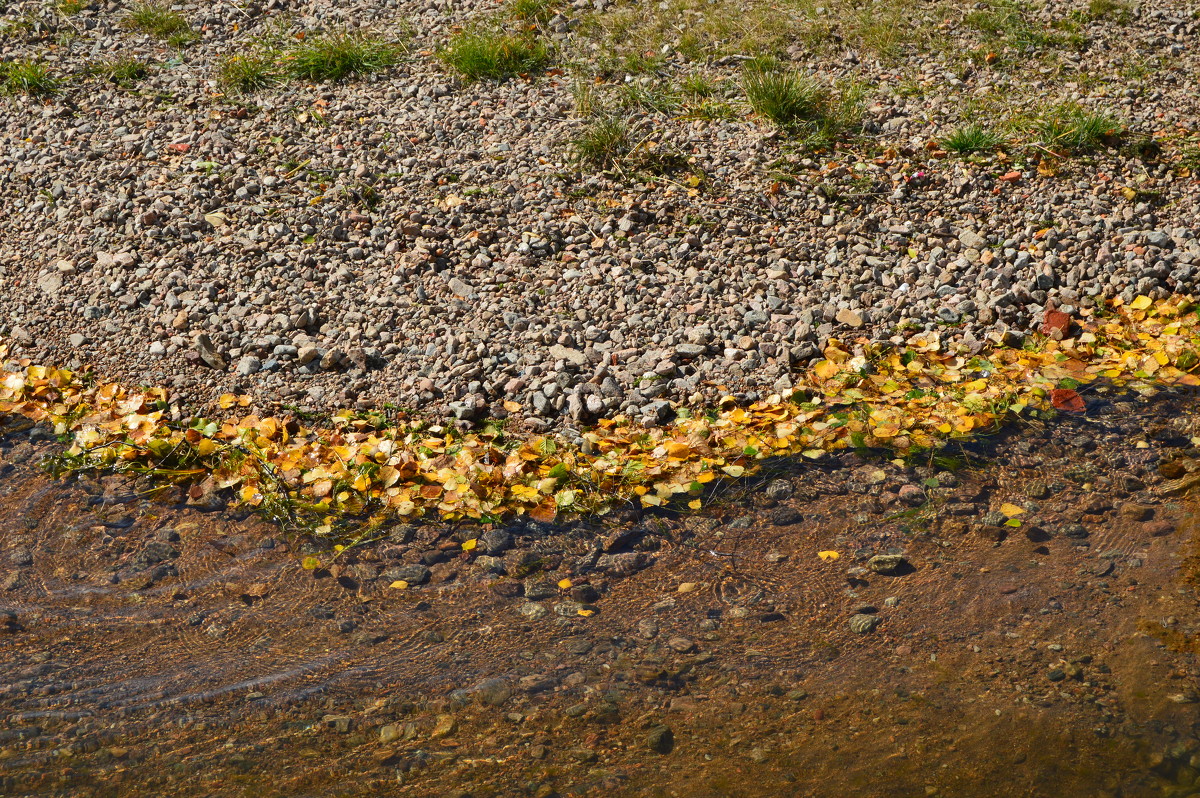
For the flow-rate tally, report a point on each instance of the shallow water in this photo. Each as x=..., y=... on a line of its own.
x=153, y=649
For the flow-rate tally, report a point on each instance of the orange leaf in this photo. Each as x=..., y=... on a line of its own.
x=544, y=512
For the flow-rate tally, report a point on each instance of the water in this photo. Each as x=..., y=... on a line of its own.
x=151, y=650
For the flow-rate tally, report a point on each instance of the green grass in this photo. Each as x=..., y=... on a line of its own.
x=494, y=55
x=533, y=11
x=21, y=26
x=159, y=21
x=799, y=104
x=124, y=71
x=697, y=85
x=28, y=77
x=1009, y=22
x=604, y=143
x=341, y=55
x=710, y=110
x=70, y=7
x=250, y=71
x=1071, y=128
x=659, y=98
x=587, y=99
x=973, y=137
x=1113, y=10
x=786, y=98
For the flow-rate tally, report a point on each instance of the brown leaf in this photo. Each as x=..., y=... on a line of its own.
x=1066, y=399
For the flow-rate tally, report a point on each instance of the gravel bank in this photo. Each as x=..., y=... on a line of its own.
x=415, y=240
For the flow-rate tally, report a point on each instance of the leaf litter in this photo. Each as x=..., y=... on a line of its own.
x=353, y=478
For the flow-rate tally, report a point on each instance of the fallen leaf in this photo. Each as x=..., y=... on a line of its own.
x=828, y=556
x=1011, y=510
x=1066, y=399
x=1142, y=302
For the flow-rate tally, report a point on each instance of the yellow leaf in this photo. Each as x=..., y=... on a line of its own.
x=525, y=493
x=469, y=545
x=400, y=584
x=226, y=401
x=694, y=504
x=511, y=406
x=587, y=613
x=310, y=563
x=676, y=450
x=734, y=470
x=828, y=556
x=205, y=447
x=565, y=584
x=1141, y=303
x=825, y=369
x=1011, y=510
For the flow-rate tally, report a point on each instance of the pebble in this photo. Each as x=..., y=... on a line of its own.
x=174, y=271
x=887, y=564
x=863, y=623
x=660, y=739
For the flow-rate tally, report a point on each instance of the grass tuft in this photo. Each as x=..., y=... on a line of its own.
x=604, y=143
x=124, y=72
x=972, y=138
x=28, y=77
x=785, y=98
x=486, y=54
x=1073, y=129
x=801, y=104
x=159, y=21
x=335, y=57
x=249, y=72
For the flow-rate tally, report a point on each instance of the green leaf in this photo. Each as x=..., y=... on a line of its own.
x=559, y=471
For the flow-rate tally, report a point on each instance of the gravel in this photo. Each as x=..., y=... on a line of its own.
x=413, y=240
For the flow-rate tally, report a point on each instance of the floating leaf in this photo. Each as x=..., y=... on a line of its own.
x=1011, y=510
x=310, y=563
x=828, y=556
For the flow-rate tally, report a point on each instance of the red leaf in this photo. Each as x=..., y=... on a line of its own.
x=1066, y=399
x=179, y=146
